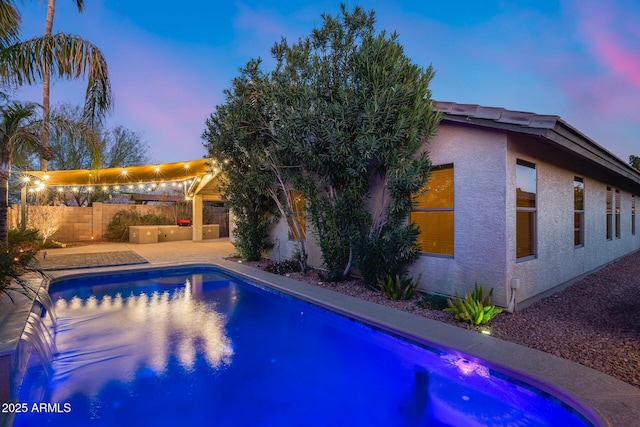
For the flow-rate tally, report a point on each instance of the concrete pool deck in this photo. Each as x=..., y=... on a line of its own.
x=614, y=403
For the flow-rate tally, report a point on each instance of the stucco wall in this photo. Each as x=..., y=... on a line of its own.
x=283, y=248
x=478, y=158
x=485, y=217
x=557, y=259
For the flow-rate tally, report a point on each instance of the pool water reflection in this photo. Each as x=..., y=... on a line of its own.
x=201, y=347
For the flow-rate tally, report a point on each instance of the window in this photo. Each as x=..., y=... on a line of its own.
x=525, y=209
x=578, y=211
x=633, y=215
x=617, y=214
x=300, y=215
x=434, y=213
x=609, y=214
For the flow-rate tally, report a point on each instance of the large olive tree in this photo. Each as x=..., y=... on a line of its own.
x=343, y=119
x=355, y=114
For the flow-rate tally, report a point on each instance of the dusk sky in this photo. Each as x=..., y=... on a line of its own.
x=579, y=59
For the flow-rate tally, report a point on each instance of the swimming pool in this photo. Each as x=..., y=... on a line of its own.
x=202, y=347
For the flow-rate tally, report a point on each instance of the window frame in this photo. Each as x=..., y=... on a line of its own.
x=299, y=212
x=528, y=209
x=609, y=214
x=617, y=222
x=578, y=212
x=451, y=209
x=633, y=215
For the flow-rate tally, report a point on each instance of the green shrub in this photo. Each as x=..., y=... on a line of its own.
x=387, y=254
x=16, y=258
x=251, y=231
x=398, y=288
x=284, y=267
x=118, y=227
x=475, y=308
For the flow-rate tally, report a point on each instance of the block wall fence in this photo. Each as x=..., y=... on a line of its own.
x=90, y=223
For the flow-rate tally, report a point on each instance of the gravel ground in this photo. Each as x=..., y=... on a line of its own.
x=594, y=322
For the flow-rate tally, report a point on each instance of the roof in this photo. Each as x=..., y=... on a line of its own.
x=157, y=173
x=496, y=114
x=553, y=129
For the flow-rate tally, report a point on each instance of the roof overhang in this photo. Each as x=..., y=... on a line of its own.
x=549, y=129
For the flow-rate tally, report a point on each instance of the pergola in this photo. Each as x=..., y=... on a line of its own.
x=198, y=178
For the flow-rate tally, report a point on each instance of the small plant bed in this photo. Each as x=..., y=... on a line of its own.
x=283, y=267
x=356, y=287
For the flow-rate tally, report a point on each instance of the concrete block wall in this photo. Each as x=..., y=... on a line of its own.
x=84, y=223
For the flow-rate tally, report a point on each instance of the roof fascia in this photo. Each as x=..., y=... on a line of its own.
x=564, y=136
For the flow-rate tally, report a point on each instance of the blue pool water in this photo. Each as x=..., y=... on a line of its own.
x=200, y=347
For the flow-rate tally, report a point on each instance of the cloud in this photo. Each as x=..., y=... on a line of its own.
x=610, y=32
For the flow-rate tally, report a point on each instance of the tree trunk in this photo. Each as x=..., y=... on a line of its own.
x=46, y=83
x=4, y=207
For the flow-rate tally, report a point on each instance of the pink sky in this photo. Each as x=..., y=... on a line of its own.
x=577, y=59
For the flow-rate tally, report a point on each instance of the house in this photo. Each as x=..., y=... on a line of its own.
x=519, y=202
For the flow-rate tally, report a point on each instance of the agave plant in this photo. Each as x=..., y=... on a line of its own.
x=475, y=308
x=398, y=288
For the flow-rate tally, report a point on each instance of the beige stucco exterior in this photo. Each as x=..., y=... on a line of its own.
x=484, y=158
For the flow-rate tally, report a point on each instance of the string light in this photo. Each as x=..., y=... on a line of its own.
x=155, y=184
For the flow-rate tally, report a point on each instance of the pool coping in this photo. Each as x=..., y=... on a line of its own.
x=591, y=395
x=602, y=399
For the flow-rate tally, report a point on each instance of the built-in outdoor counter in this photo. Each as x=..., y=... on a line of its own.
x=169, y=233
x=143, y=234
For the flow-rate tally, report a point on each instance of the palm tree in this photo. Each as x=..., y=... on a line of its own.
x=19, y=126
x=46, y=80
x=62, y=55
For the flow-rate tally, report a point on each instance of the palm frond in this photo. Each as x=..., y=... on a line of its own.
x=67, y=57
x=9, y=24
x=19, y=127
